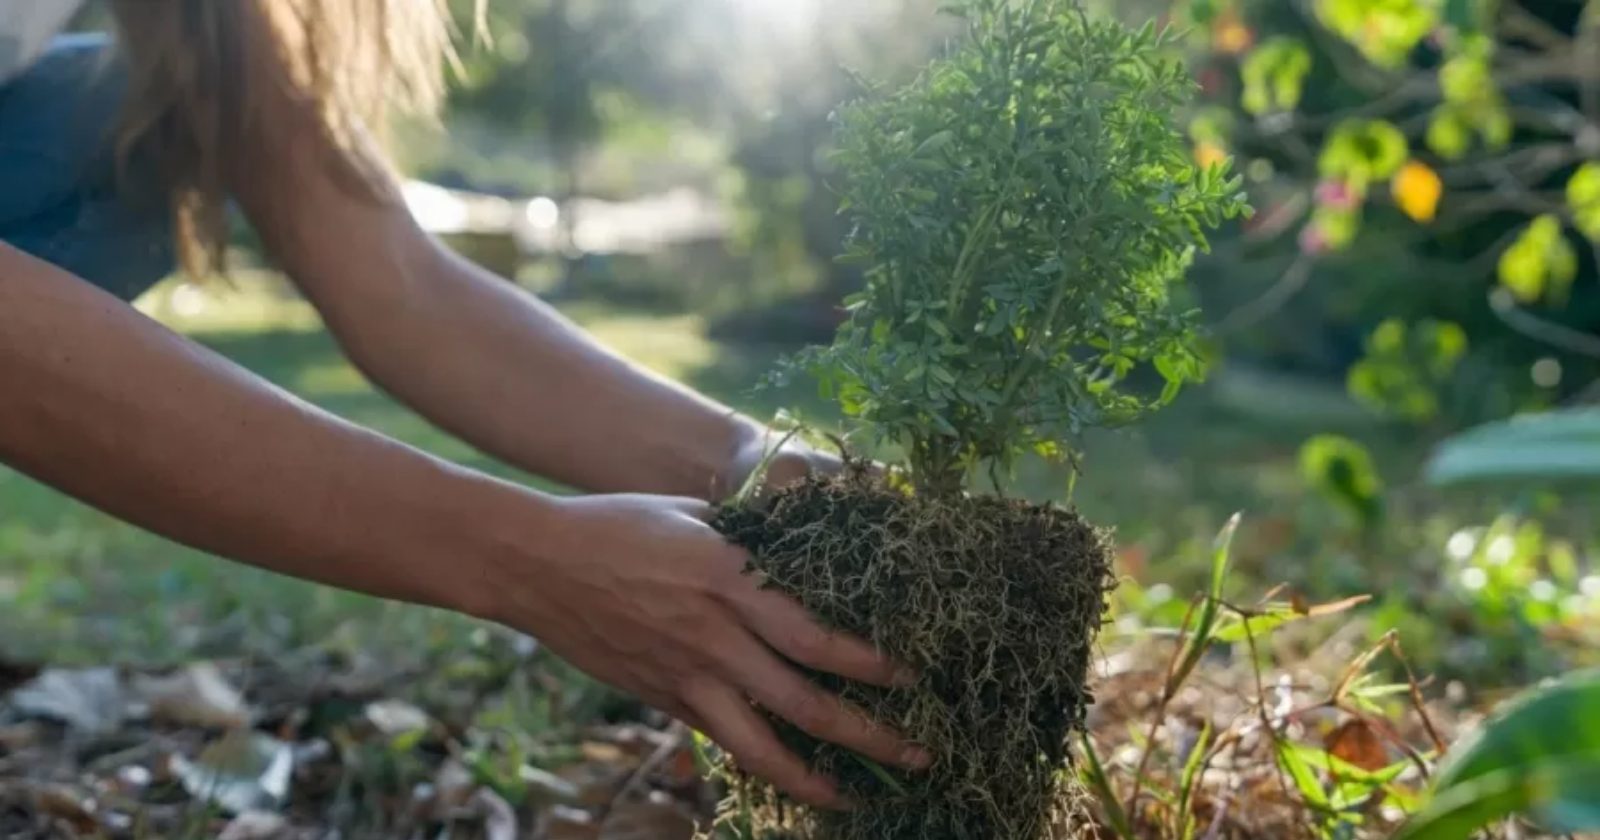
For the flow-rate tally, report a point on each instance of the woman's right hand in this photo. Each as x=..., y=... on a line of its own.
x=639, y=592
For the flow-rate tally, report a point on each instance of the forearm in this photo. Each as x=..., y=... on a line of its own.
x=506, y=372
x=110, y=407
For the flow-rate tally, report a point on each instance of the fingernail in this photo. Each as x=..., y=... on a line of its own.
x=916, y=758
x=905, y=677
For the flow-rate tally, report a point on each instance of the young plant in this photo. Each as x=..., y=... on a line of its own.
x=1023, y=211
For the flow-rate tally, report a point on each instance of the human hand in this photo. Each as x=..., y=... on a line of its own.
x=639, y=592
x=793, y=461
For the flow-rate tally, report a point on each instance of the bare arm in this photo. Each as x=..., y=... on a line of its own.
x=103, y=403
x=114, y=409
x=473, y=353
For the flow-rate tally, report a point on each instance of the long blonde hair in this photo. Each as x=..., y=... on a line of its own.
x=195, y=87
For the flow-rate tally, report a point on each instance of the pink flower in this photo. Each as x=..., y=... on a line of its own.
x=1337, y=195
x=1313, y=240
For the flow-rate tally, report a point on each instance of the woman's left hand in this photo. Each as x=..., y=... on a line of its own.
x=793, y=462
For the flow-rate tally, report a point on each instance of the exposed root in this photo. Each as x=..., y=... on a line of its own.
x=995, y=602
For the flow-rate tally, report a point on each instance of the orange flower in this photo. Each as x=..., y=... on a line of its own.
x=1232, y=36
x=1209, y=154
x=1417, y=190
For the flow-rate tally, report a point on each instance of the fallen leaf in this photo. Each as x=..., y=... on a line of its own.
x=198, y=695
x=549, y=785
x=564, y=823
x=20, y=736
x=63, y=803
x=90, y=701
x=655, y=818
x=245, y=771
x=393, y=718
x=1356, y=743
x=257, y=825
x=499, y=821
x=453, y=785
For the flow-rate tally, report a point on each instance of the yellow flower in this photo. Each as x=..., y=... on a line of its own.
x=1232, y=36
x=1417, y=189
x=1209, y=154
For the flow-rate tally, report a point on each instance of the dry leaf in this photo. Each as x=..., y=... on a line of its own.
x=565, y=823
x=245, y=771
x=1356, y=743
x=548, y=785
x=393, y=718
x=63, y=803
x=499, y=821
x=198, y=695
x=90, y=701
x=655, y=818
x=257, y=825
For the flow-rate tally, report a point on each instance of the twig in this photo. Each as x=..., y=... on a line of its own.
x=1416, y=697
x=1519, y=22
x=1528, y=324
x=677, y=737
x=1270, y=731
x=1273, y=299
x=1167, y=692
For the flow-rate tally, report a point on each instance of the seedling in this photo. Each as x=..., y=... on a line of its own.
x=1023, y=212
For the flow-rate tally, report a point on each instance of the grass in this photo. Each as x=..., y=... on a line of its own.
x=76, y=585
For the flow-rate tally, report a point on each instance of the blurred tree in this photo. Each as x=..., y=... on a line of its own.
x=1418, y=162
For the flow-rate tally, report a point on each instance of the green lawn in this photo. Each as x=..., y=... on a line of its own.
x=76, y=585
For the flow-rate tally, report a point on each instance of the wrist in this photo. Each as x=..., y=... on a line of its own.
x=493, y=532
x=749, y=440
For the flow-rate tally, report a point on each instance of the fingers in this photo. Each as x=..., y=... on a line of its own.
x=793, y=632
x=781, y=690
x=692, y=508
x=739, y=730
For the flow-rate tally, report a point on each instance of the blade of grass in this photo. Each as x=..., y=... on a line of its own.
x=883, y=775
x=1201, y=638
x=1100, y=783
x=1191, y=774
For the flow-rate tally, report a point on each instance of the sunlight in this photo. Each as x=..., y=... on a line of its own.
x=788, y=17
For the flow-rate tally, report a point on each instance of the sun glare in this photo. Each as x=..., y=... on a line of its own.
x=788, y=17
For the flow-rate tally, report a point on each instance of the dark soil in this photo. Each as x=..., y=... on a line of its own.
x=995, y=602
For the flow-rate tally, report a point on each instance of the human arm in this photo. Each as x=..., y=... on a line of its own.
x=475, y=354
x=114, y=409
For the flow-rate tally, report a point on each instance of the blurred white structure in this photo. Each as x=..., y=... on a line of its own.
x=639, y=226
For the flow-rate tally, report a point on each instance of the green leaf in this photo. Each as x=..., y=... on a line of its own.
x=1583, y=198
x=1100, y=783
x=1304, y=777
x=1542, y=448
x=1449, y=134
x=1560, y=721
x=1541, y=264
x=934, y=143
x=1277, y=615
x=1343, y=471
x=1200, y=636
x=1274, y=75
x=1364, y=151
x=1558, y=792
